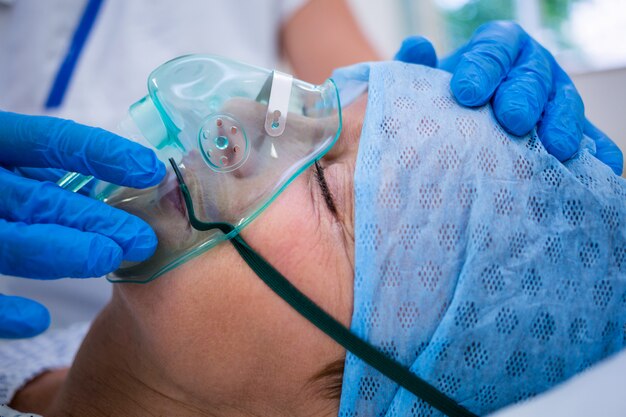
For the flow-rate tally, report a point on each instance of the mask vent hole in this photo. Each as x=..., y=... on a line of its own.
x=221, y=142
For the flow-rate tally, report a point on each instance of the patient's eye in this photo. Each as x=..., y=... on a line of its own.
x=328, y=196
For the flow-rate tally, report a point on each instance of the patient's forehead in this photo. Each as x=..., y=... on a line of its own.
x=352, y=124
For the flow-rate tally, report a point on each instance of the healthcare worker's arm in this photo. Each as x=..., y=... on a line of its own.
x=321, y=36
x=47, y=232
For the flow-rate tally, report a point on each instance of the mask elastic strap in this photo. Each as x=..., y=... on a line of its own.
x=324, y=321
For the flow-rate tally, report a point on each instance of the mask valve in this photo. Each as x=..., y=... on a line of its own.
x=223, y=143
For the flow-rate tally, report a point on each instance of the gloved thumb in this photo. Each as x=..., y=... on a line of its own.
x=21, y=317
x=606, y=150
x=417, y=50
x=609, y=153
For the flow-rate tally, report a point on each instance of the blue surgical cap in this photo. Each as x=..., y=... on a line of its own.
x=482, y=263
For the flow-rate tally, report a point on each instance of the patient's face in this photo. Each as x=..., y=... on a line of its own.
x=213, y=329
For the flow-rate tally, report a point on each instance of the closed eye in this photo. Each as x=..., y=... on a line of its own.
x=328, y=196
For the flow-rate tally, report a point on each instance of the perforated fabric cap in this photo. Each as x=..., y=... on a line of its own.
x=482, y=263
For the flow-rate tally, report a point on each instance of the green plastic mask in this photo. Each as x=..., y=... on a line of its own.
x=239, y=135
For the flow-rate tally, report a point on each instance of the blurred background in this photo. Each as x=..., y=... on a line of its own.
x=588, y=37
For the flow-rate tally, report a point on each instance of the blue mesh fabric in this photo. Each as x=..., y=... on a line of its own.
x=488, y=267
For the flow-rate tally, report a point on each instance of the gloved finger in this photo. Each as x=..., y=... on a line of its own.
x=28, y=201
x=519, y=101
x=40, y=141
x=21, y=317
x=606, y=150
x=561, y=127
x=417, y=50
x=50, y=251
x=488, y=57
x=49, y=174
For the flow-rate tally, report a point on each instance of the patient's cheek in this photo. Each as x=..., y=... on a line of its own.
x=193, y=317
x=288, y=230
x=176, y=297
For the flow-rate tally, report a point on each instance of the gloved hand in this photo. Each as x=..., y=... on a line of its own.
x=525, y=84
x=47, y=232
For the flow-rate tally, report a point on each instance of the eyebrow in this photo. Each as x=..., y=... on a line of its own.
x=328, y=196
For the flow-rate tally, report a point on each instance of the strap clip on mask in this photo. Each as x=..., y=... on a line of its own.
x=278, y=106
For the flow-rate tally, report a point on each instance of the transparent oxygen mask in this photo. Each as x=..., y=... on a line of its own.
x=237, y=133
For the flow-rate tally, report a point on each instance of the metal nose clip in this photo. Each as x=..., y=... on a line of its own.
x=278, y=104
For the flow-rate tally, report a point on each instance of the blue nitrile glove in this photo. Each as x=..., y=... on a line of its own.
x=47, y=232
x=525, y=84
x=21, y=317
